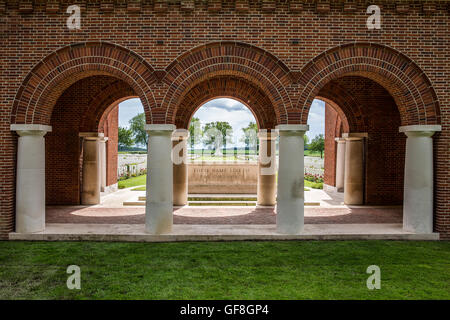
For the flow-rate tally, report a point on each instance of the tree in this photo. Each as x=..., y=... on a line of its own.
x=125, y=138
x=217, y=134
x=317, y=144
x=305, y=140
x=195, y=132
x=250, y=137
x=137, y=126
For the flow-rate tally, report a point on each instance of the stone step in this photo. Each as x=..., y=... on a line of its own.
x=213, y=198
x=221, y=203
x=214, y=203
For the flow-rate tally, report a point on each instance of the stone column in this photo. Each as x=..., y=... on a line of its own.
x=103, y=162
x=354, y=171
x=267, y=167
x=180, y=167
x=418, y=183
x=90, y=190
x=159, y=204
x=340, y=164
x=30, y=175
x=290, y=190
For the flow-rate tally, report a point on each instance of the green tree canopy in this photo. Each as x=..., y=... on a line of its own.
x=125, y=138
x=137, y=126
x=195, y=132
x=217, y=134
x=250, y=137
x=318, y=144
x=305, y=140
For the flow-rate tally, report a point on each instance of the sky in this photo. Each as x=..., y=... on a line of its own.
x=232, y=111
x=127, y=110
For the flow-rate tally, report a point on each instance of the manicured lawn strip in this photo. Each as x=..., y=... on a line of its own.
x=132, y=182
x=312, y=153
x=225, y=270
x=314, y=185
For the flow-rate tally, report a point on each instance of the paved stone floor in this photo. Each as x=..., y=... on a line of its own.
x=224, y=215
x=331, y=211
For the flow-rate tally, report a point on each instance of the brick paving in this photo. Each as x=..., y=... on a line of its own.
x=191, y=215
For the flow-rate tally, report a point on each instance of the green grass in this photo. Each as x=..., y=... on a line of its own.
x=143, y=188
x=314, y=185
x=225, y=270
x=312, y=153
x=132, y=182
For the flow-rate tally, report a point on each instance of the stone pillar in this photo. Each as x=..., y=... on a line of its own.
x=159, y=204
x=30, y=175
x=180, y=167
x=90, y=190
x=340, y=164
x=103, y=162
x=354, y=171
x=267, y=167
x=418, y=183
x=290, y=189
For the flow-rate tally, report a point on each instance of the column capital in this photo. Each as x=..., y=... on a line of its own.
x=339, y=140
x=31, y=129
x=160, y=129
x=420, y=130
x=92, y=135
x=292, y=129
x=355, y=135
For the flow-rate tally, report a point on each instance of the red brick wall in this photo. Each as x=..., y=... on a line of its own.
x=333, y=129
x=280, y=51
x=110, y=129
x=64, y=146
x=385, y=145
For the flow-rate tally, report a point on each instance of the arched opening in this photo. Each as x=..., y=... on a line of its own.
x=84, y=124
x=223, y=149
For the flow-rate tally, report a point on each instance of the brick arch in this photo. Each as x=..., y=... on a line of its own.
x=233, y=59
x=341, y=114
x=54, y=74
x=345, y=104
x=400, y=76
x=230, y=87
x=103, y=102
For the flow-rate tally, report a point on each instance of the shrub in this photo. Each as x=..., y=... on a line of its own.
x=317, y=178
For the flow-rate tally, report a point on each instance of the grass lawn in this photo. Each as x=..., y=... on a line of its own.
x=314, y=185
x=225, y=270
x=312, y=153
x=132, y=182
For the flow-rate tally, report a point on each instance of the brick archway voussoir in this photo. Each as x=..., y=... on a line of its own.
x=55, y=73
x=400, y=76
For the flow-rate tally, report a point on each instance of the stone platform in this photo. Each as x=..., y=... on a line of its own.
x=136, y=233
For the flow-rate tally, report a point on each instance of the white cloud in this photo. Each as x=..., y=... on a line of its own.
x=128, y=109
x=316, y=119
x=229, y=110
